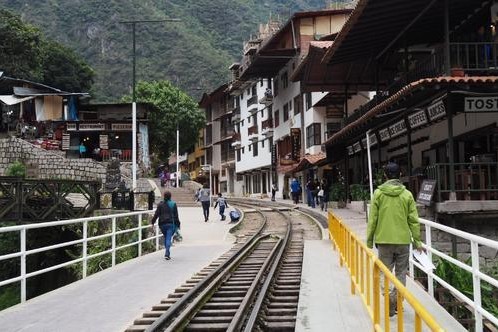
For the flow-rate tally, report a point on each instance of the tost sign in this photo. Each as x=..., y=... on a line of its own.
x=296, y=143
x=481, y=104
x=384, y=134
x=350, y=150
x=397, y=129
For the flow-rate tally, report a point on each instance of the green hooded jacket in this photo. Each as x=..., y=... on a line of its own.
x=393, y=217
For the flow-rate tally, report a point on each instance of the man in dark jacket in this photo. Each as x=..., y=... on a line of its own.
x=167, y=213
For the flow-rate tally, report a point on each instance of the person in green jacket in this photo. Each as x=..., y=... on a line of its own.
x=393, y=224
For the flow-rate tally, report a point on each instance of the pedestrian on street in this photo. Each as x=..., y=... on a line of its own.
x=222, y=202
x=167, y=213
x=295, y=189
x=310, y=187
x=392, y=225
x=273, y=191
x=320, y=198
x=205, y=199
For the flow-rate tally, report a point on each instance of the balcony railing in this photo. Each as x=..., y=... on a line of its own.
x=268, y=123
x=252, y=130
x=474, y=56
x=253, y=100
x=227, y=133
x=473, y=181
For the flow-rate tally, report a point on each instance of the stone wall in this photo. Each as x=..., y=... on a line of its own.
x=50, y=165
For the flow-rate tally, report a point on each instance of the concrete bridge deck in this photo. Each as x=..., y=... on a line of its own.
x=112, y=299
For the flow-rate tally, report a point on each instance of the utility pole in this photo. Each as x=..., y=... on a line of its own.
x=134, y=100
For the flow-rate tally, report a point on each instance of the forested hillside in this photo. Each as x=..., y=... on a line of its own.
x=195, y=52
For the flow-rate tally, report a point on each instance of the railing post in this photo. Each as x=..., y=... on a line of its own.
x=23, y=264
x=113, y=241
x=85, y=248
x=139, y=235
x=476, y=283
x=428, y=241
x=376, y=294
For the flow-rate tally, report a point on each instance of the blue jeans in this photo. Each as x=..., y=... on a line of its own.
x=222, y=212
x=205, y=209
x=311, y=199
x=168, y=230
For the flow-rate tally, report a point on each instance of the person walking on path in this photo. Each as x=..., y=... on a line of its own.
x=273, y=191
x=205, y=199
x=295, y=186
x=167, y=213
x=310, y=188
x=326, y=188
x=222, y=203
x=392, y=225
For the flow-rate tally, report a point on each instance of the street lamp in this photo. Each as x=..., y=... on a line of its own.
x=203, y=167
x=134, y=103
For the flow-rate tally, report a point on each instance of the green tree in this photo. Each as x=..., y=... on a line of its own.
x=26, y=54
x=173, y=107
x=65, y=70
x=20, y=51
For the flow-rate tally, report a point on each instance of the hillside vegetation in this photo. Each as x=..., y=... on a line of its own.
x=193, y=53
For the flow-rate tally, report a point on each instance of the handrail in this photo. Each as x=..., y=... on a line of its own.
x=23, y=253
x=366, y=269
x=474, y=269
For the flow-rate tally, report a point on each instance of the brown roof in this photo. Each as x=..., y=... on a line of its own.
x=446, y=80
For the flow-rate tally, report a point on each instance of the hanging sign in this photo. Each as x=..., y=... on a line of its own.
x=296, y=143
x=397, y=129
x=417, y=119
x=71, y=126
x=104, y=142
x=350, y=150
x=66, y=139
x=481, y=104
x=436, y=110
x=91, y=126
x=356, y=147
x=372, y=139
x=121, y=127
x=384, y=134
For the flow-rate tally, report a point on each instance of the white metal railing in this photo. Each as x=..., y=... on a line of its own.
x=22, y=254
x=474, y=269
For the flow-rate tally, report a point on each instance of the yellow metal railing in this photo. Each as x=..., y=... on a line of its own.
x=366, y=269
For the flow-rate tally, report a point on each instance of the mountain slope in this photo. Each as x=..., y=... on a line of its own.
x=195, y=52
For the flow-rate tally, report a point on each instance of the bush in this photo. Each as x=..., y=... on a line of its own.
x=16, y=169
x=358, y=193
x=337, y=192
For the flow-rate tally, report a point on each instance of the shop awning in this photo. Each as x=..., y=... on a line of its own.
x=13, y=99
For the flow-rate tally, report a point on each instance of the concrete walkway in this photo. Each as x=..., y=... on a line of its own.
x=110, y=300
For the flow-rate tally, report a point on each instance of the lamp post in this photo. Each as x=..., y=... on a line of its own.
x=134, y=103
x=210, y=182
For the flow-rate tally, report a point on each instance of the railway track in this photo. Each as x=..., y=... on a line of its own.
x=254, y=286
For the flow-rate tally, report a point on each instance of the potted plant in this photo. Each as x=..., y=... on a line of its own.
x=337, y=195
x=358, y=197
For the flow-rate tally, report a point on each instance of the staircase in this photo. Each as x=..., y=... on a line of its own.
x=182, y=196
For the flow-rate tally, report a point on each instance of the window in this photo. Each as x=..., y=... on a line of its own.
x=248, y=92
x=256, y=183
x=332, y=127
x=313, y=135
x=255, y=149
x=285, y=80
x=238, y=155
x=297, y=104
x=275, y=87
x=261, y=82
x=308, y=101
x=243, y=149
x=255, y=118
x=277, y=118
x=253, y=90
x=286, y=112
x=262, y=143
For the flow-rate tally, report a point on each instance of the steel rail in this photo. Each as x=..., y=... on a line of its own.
x=266, y=285
x=172, y=312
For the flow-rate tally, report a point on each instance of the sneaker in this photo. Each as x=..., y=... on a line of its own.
x=167, y=258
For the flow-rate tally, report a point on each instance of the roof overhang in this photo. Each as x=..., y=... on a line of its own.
x=377, y=25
